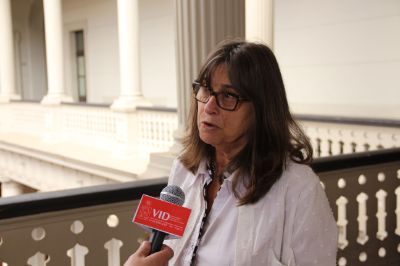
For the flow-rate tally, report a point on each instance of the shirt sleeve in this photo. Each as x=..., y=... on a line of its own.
x=314, y=239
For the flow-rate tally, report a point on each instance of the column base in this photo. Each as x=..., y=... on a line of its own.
x=179, y=134
x=11, y=188
x=129, y=104
x=8, y=98
x=56, y=99
x=159, y=165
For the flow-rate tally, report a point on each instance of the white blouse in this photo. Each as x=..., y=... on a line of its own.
x=291, y=225
x=218, y=241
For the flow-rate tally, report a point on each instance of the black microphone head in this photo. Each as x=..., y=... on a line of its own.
x=173, y=194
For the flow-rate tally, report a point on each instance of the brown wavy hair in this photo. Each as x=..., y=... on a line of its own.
x=274, y=136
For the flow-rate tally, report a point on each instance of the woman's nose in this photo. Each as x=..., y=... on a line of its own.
x=211, y=106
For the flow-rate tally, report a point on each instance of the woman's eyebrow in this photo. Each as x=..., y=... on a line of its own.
x=224, y=85
x=225, y=89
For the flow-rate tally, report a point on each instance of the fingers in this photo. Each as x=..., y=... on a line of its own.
x=142, y=256
x=144, y=249
x=161, y=257
x=169, y=253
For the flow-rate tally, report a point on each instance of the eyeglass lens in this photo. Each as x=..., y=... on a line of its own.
x=225, y=100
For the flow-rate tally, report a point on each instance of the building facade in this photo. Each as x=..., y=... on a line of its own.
x=97, y=91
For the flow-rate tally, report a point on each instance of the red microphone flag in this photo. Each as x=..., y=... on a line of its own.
x=162, y=215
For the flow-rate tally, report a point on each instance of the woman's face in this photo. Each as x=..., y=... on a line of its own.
x=224, y=130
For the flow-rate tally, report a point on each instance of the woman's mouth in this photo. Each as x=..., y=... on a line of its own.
x=208, y=125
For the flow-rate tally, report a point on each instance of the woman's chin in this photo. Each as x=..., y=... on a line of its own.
x=209, y=140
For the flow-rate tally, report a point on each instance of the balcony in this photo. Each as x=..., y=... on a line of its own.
x=92, y=225
x=48, y=148
x=68, y=146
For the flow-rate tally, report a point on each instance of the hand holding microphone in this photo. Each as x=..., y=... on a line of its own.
x=172, y=194
x=142, y=256
x=165, y=216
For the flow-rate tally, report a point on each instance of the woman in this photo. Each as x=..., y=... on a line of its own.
x=244, y=170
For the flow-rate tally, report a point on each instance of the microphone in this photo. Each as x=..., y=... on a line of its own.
x=172, y=194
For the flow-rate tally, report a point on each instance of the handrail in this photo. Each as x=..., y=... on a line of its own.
x=157, y=109
x=139, y=108
x=35, y=203
x=345, y=161
x=105, y=105
x=25, y=101
x=364, y=121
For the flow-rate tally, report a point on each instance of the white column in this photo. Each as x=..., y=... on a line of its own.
x=7, y=64
x=259, y=21
x=129, y=57
x=54, y=53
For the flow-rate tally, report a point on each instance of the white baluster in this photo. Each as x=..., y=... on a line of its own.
x=362, y=218
x=342, y=222
x=346, y=143
x=39, y=259
x=324, y=144
x=336, y=145
x=113, y=246
x=397, y=192
x=381, y=214
x=77, y=255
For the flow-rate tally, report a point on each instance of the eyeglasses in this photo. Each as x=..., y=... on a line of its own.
x=225, y=100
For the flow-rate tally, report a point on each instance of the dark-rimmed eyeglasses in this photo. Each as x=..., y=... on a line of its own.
x=225, y=100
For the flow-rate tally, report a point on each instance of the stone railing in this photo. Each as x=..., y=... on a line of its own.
x=95, y=126
x=156, y=127
x=40, y=146
x=92, y=226
x=86, y=226
x=151, y=129
x=340, y=135
x=364, y=193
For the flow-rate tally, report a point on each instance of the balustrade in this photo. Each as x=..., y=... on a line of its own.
x=364, y=196
x=57, y=147
x=95, y=126
x=92, y=226
x=338, y=135
x=74, y=233
x=151, y=129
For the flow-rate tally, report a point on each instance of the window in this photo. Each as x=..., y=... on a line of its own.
x=80, y=65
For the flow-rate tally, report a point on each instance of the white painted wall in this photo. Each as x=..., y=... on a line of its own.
x=340, y=56
x=99, y=19
x=27, y=18
x=157, y=40
x=101, y=46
